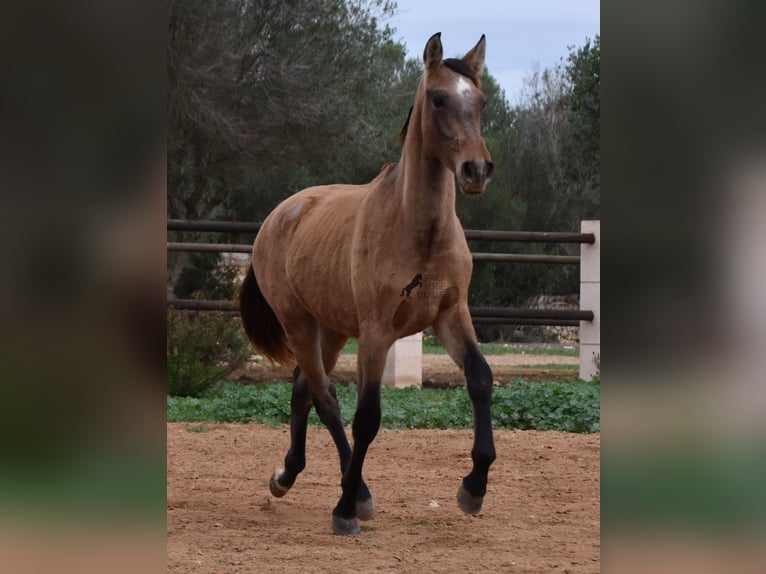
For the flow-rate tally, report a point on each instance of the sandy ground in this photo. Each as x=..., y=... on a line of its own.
x=541, y=513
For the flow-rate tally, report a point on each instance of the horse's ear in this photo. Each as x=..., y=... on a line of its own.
x=475, y=56
x=433, y=53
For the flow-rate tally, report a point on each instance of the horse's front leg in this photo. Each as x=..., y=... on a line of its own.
x=453, y=327
x=371, y=361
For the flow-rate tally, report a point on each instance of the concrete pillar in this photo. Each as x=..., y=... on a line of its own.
x=590, y=300
x=404, y=363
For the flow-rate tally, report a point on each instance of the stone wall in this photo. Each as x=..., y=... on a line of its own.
x=569, y=302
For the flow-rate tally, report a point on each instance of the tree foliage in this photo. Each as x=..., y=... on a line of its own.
x=267, y=97
x=546, y=150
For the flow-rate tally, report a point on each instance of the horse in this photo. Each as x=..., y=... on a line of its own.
x=329, y=263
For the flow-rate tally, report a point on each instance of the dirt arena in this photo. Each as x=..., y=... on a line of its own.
x=541, y=513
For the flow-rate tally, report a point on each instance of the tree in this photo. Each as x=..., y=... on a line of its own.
x=582, y=134
x=555, y=164
x=269, y=96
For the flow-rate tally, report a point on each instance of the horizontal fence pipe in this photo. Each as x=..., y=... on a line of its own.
x=496, y=257
x=203, y=305
x=509, y=321
x=478, y=314
x=529, y=236
x=476, y=320
x=475, y=234
x=527, y=258
x=564, y=314
x=210, y=247
x=213, y=226
x=228, y=313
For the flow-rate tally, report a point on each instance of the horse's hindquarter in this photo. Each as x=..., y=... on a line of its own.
x=304, y=255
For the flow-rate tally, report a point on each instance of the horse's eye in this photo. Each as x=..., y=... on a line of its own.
x=439, y=101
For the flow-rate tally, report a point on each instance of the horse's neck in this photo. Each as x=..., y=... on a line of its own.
x=426, y=193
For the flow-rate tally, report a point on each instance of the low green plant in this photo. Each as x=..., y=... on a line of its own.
x=202, y=349
x=570, y=407
x=551, y=366
x=433, y=347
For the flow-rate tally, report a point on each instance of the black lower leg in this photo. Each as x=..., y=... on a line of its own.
x=329, y=414
x=300, y=406
x=365, y=427
x=479, y=382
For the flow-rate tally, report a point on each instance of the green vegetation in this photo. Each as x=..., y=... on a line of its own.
x=551, y=366
x=201, y=350
x=570, y=407
x=432, y=346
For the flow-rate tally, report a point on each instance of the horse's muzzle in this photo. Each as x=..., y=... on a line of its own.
x=473, y=176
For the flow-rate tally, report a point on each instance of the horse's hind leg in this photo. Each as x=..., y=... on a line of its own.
x=332, y=343
x=302, y=335
x=311, y=386
x=295, y=461
x=454, y=329
x=371, y=362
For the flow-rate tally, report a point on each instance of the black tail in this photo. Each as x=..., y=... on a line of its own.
x=261, y=324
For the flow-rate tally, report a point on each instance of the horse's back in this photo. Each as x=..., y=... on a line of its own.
x=314, y=215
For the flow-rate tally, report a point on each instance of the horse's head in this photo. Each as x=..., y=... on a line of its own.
x=450, y=101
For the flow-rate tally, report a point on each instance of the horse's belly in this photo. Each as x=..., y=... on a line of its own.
x=411, y=317
x=320, y=281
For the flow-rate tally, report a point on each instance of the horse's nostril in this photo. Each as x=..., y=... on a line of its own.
x=469, y=170
x=490, y=169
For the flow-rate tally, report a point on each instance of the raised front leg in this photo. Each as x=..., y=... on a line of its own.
x=454, y=329
x=371, y=361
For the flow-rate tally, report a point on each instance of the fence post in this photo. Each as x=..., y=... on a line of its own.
x=590, y=299
x=404, y=362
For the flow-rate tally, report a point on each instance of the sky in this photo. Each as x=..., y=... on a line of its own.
x=520, y=33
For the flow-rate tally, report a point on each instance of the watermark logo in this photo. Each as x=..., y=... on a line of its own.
x=425, y=286
x=417, y=281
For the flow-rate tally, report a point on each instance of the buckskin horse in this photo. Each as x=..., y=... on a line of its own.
x=329, y=263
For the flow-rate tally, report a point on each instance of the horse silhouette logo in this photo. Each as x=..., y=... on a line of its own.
x=417, y=281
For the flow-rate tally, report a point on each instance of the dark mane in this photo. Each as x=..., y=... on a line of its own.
x=462, y=68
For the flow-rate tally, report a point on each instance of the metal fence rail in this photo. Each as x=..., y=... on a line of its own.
x=483, y=315
x=475, y=234
x=479, y=315
x=500, y=257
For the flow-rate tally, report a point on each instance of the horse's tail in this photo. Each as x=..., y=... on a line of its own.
x=261, y=324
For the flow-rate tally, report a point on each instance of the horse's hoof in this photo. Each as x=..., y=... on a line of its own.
x=365, y=509
x=467, y=502
x=277, y=489
x=345, y=526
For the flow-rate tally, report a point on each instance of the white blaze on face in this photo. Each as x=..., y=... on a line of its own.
x=465, y=93
x=463, y=88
